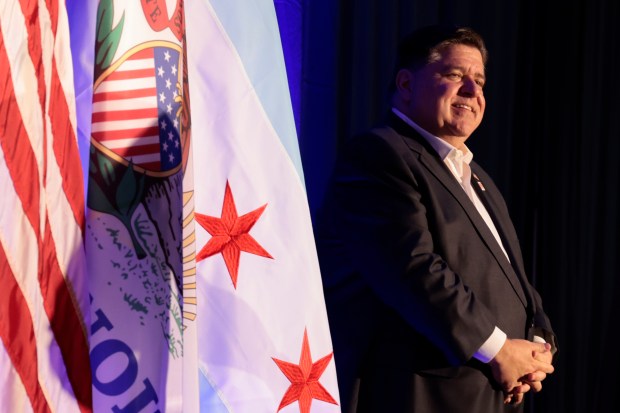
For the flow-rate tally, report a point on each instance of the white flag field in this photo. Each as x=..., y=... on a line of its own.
x=261, y=320
x=175, y=270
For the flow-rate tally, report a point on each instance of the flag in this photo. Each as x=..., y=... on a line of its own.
x=262, y=331
x=44, y=362
x=134, y=232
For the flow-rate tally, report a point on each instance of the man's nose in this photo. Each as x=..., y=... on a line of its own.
x=470, y=87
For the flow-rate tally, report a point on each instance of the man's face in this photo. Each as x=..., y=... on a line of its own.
x=447, y=98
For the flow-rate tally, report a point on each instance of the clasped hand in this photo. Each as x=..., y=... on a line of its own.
x=521, y=366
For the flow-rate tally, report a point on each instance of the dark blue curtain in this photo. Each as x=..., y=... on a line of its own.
x=549, y=139
x=290, y=20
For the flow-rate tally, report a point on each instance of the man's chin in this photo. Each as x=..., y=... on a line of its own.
x=464, y=131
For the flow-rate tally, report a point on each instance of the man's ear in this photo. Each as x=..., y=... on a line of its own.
x=404, y=83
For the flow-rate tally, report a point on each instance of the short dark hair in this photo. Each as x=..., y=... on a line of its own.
x=423, y=46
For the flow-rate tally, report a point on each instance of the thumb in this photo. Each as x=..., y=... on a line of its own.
x=542, y=347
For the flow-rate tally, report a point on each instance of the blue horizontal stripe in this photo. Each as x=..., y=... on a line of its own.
x=252, y=26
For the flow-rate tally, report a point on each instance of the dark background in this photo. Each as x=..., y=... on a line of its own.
x=549, y=138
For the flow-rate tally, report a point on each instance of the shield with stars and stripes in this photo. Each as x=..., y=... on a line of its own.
x=136, y=106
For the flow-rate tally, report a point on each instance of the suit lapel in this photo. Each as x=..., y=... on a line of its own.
x=505, y=229
x=438, y=168
x=488, y=199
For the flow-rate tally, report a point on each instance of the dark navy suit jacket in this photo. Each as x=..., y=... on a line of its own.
x=415, y=281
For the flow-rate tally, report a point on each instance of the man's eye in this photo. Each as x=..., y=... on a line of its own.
x=480, y=83
x=454, y=76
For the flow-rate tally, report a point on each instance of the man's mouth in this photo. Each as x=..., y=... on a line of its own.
x=462, y=106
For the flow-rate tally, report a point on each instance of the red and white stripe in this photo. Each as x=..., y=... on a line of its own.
x=44, y=365
x=125, y=111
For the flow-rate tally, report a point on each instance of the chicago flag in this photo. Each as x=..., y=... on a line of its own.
x=261, y=327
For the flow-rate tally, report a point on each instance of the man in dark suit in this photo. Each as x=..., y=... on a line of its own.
x=429, y=305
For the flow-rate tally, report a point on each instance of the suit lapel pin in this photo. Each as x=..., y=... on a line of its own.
x=479, y=182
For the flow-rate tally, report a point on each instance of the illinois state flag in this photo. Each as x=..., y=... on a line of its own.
x=262, y=332
x=44, y=363
x=134, y=236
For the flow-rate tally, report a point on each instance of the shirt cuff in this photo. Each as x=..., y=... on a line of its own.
x=492, y=346
x=537, y=339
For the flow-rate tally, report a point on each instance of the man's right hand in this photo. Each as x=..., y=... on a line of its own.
x=517, y=361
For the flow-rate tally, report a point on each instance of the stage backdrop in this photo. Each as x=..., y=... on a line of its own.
x=549, y=139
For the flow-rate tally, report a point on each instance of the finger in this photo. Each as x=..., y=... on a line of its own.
x=521, y=389
x=535, y=376
x=541, y=366
x=536, y=386
x=510, y=398
x=540, y=348
x=543, y=353
x=544, y=357
x=520, y=397
x=517, y=398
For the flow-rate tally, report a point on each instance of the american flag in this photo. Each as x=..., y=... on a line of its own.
x=44, y=361
x=136, y=108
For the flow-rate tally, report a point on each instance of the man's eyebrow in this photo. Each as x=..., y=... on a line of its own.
x=477, y=75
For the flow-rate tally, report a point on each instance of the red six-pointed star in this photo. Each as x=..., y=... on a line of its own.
x=230, y=235
x=304, y=378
